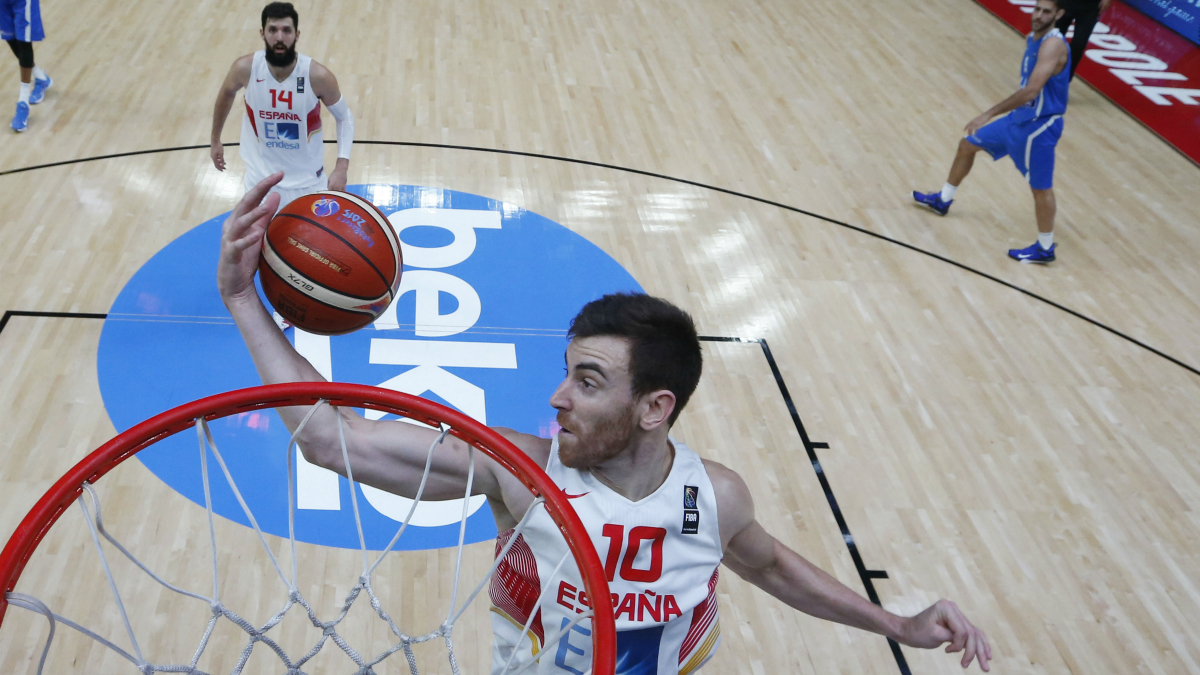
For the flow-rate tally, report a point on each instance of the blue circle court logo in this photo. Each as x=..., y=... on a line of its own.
x=479, y=324
x=325, y=207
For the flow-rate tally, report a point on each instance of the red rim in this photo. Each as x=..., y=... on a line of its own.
x=68, y=488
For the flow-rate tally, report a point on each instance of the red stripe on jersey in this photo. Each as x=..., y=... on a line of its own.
x=702, y=618
x=314, y=119
x=250, y=114
x=515, y=587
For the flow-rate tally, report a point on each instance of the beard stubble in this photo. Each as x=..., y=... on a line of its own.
x=610, y=436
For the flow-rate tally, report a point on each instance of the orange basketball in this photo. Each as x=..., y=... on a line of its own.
x=330, y=263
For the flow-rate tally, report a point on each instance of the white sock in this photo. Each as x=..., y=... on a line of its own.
x=1045, y=240
x=39, y=74
x=26, y=87
x=948, y=191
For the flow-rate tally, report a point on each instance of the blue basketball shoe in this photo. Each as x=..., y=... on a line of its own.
x=1033, y=254
x=39, y=90
x=21, y=119
x=933, y=200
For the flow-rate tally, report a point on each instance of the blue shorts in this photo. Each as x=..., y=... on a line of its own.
x=21, y=20
x=1030, y=143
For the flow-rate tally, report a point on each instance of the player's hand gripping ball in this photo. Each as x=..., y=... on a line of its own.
x=330, y=263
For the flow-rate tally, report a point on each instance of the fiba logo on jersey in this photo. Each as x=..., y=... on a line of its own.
x=689, y=496
x=325, y=207
x=479, y=324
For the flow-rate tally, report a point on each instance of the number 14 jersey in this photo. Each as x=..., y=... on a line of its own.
x=660, y=555
x=282, y=126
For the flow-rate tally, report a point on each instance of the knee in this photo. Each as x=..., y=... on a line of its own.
x=966, y=147
x=23, y=51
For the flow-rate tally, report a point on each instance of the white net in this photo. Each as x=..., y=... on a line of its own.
x=264, y=636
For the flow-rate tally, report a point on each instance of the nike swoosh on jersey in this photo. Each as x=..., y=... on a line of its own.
x=570, y=496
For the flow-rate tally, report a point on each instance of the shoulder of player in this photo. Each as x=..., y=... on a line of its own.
x=732, y=495
x=240, y=70
x=1055, y=46
x=320, y=75
x=534, y=447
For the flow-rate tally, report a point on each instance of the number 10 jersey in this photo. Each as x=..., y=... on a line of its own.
x=660, y=555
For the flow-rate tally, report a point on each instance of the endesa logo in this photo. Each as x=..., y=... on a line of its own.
x=279, y=133
x=479, y=324
x=325, y=207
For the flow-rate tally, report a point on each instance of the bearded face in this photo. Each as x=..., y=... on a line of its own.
x=595, y=402
x=279, y=38
x=585, y=443
x=280, y=54
x=1044, y=15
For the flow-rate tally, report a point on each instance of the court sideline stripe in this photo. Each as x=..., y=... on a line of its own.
x=684, y=181
x=865, y=575
x=53, y=315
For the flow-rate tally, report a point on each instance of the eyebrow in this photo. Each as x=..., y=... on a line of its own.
x=592, y=365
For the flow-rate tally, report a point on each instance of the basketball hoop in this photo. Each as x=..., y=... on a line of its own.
x=80, y=479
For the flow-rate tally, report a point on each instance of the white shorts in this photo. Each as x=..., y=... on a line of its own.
x=286, y=196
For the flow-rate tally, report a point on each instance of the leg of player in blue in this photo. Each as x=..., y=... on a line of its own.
x=20, y=27
x=964, y=159
x=934, y=200
x=41, y=82
x=1033, y=153
x=20, y=121
x=1042, y=250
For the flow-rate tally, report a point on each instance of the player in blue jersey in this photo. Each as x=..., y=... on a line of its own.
x=1028, y=132
x=20, y=27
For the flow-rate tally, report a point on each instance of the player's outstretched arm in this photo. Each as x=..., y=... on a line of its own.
x=238, y=77
x=325, y=86
x=762, y=560
x=389, y=455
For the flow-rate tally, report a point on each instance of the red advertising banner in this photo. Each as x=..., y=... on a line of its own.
x=1141, y=65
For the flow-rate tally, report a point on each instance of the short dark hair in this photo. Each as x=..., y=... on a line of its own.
x=664, y=351
x=1057, y=3
x=280, y=10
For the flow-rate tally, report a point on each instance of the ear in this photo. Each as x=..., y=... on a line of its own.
x=655, y=409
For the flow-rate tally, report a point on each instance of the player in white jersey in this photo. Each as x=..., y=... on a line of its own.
x=661, y=518
x=281, y=130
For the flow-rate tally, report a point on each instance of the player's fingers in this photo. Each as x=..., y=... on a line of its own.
x=247, y=230
x=969, y=649
x=254, y=196
x=954, y=620
x=262, y=216
x=985, y=650
x=243, y=218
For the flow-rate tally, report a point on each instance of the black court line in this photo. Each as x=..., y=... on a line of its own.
x=865, y=575
x=53, y=315
x=684, y=181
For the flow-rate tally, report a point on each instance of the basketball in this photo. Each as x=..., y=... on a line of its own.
x=330, y=263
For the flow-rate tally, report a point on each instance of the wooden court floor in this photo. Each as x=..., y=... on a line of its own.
x=984, y=445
